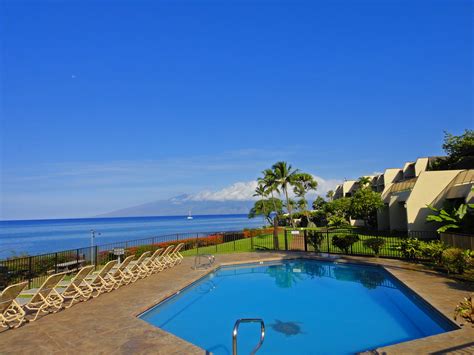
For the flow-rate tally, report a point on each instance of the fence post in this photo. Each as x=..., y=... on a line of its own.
x=56, y=262
x=177, y=236
x=251, y=242
x=95, y=258
x=305, y=240
x=197, y=243
x=30, y=272
x=327, y=239
x=234, y=241
x=77, y=258
x=286, y=240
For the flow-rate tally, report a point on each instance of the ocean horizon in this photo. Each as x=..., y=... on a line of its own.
x=33, y=237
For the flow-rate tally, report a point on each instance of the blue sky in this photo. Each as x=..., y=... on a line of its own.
x=107, y=104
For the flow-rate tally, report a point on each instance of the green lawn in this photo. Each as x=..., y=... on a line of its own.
x=264, y=242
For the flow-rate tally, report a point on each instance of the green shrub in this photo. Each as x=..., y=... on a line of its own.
x=315, y=239
x=433, y=250
x=375, y=244
x=345, y=242
x=455, y=260
x=410, y=248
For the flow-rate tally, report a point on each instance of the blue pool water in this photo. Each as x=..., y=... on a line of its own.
x=309, y=307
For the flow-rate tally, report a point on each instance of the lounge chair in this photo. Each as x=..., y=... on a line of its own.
x=102, y=281
x=152, y=263
x=11, y=313
x=77, y=289
x=121, y=275
x=139, y=269
x=175, y=255
x=46, y=299
x=165, y=259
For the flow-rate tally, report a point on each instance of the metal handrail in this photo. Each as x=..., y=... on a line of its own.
x=211, y=258
x=236, y=330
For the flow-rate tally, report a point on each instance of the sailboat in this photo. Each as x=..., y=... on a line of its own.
x=189, y=216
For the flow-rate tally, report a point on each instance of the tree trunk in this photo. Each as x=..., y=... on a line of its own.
x=289, y=208
x=276, y=245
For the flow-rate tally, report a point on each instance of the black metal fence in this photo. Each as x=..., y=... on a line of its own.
x=35, y=269
x=324, y=240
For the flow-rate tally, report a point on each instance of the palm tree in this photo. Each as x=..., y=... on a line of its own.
x=363, y=181
x=271, y=186
x=262, y=193
x=304, y=183
x=302, y=205
x=269, y=183
x=285, y=177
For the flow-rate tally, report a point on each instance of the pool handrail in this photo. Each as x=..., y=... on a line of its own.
x=236, y=330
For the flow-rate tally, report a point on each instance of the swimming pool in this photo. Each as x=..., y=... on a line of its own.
x=309, y=307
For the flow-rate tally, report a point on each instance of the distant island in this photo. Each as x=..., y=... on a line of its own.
x=180, y=205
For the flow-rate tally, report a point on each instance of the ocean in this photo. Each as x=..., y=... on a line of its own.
x=45, y=236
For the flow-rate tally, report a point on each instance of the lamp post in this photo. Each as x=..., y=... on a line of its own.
x=93, y=233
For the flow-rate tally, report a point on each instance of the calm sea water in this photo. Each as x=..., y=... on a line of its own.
x=309, y=307
x=44, y=236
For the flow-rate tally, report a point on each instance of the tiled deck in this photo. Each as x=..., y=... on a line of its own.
x=109, y=324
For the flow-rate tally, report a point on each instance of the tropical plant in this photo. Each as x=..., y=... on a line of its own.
x=465, y=309
x=410, y=248
x=265, y=208
x=319, y=203
x=285, y=177
x=364, y=205
x=261, y=192
x=345, y=242
x=363, y=182
x=337, y=221
x=304, y=183
x=315, y=238
x=459, y=150
x=330, y=195
x=375, y=244
x=455, y=260
x=338, y=209
x=270, y=184
x=449, y=219
x=433, y=250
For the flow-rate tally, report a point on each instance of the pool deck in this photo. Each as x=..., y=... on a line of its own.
x=109, y=323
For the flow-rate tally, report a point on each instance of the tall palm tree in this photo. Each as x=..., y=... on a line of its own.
x=304, y=183
x=261, y=192
x=271, y=186
x=285, y=177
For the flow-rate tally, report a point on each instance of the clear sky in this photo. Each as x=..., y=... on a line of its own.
x=107, y=104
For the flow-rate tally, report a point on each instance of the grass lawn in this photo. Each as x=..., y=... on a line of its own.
x=263, y=242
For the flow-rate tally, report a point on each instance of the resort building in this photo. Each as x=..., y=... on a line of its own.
x=407, y=191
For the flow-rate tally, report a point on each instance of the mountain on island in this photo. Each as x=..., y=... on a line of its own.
x=181, y=205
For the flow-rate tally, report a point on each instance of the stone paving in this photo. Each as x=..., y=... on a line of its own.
x=109, y=323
